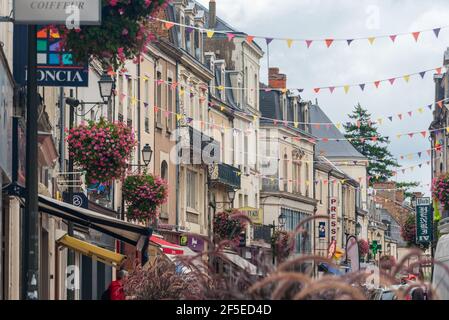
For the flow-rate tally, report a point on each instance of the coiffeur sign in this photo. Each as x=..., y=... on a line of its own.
x=333, y=220
x=87, y=12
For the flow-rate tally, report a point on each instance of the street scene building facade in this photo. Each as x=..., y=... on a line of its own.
x=220, y=138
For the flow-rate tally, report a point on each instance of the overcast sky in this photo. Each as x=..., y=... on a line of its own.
x=362, y=62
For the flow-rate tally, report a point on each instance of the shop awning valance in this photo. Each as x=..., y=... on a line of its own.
x=90, y=250
x=128, y=232
x=167, y=247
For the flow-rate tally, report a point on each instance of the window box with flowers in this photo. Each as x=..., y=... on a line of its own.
x=144, y=194
x=101, y=149
x=440, y=192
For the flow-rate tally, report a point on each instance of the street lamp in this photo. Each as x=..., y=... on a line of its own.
x=231, y=196
x=106, y=85
x=147, y=154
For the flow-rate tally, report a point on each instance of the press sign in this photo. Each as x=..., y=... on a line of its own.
x=333, y=219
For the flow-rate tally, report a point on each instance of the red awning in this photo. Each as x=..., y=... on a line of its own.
x=167, y=247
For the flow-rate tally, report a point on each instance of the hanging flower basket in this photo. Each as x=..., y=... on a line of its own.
x=144, y=194
x=102, y=149
x=123, y=34
x=387, y=262
x=281, y=241
x=440, y=190
x=227, y=227
x=363, y=247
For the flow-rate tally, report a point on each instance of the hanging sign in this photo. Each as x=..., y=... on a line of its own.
x=55, y=67
x=424, y=220
x=87, y=12
x=333, y=219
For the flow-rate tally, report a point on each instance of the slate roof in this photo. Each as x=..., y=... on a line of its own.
x=332, y=148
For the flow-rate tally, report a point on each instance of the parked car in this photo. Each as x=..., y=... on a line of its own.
x=383, y=294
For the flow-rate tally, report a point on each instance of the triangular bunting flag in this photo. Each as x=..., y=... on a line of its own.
x=440, y=104
x=416, y=35
x=407, y=78
x=422, y=74
x=338, y=125
x=400, y=116
x=377, y=83
x=393, y=38
x=420, y=110
x=296, y=124
x=420, y=165
x=189, y=30
x=329, y=42
x=230, y=36
x=379, y=121
x=210, y=33
x=309, y=43
x=349, y=41
x=392, y=80
x=346, y=88
x=156, y=109
x=145, y=105
x=169, y=25
x=437, y=32
x=429, y=106
x=419, y=154
x=410, y=113
x=250, y=39
x=438, y=70
x=371, y=40
x=398, y=136
x=289, y=43
x=317, y=90
x=325, y=140
x=411, y=135
x=268, y=40
x=331, y=89
x=362, y=86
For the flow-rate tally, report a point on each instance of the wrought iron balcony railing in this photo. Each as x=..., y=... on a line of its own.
x=224, y=174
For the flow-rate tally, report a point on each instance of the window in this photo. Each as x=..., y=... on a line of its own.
x=307, y=180
x=120, y=98
x=223, y=148
x=131, y=101
x=146, y=100
x=255, y=91
x=321, y=192
x=192, y=187
x=303, y=240
x=187, y=36
x=164, y=176
x=158, y=97
x=197, y=43
x=285, y=173
x=170, y=102
x=245, y=150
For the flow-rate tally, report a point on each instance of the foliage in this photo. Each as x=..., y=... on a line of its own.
x=228, y=226
x=281, y=241
x=408, y=230
x=387, y=262
x=144, y=193
x=124, y=32
x=364, y=136
x=158, y=281
x=363, y=247
x=440, y=190
x=406, y=187
x=101, y=149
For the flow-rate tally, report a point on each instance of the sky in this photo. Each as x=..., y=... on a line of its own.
x=362, y=62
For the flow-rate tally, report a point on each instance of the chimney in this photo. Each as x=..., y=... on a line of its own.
x=276, y=80
x=212, y=14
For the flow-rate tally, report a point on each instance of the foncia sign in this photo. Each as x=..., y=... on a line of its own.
x=42, y=12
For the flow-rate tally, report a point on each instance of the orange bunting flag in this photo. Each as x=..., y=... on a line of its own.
x=424, y=133
x=329, y=42
x=440, y=103
x=416, y=35
x=250, y=39
x=169, y=25
x=317, y=90
x=377, y=83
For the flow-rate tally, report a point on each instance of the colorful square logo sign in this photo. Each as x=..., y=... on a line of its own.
x=56, y=67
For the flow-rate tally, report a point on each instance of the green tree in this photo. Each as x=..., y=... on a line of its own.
x=406, y=187
x=363, y=135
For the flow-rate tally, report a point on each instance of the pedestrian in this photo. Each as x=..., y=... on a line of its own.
x=115, y=290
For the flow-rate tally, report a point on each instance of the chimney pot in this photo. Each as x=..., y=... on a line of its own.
x=276, y=80
x=212, y=14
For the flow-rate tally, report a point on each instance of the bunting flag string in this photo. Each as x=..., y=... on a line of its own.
x=378, y=121
x=377, y=84
x=327, y=41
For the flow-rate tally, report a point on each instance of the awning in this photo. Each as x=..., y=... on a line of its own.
x=90, y=250
x=121, y=230
x=241, y=262
x=167, y=247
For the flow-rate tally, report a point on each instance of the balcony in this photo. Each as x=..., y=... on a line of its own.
x=270, y=184
x=202, y=148
x=224, y=175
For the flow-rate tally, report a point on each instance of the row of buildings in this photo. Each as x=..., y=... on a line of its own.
x=262, y=151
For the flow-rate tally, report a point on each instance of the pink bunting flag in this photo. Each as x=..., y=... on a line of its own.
x=325, y=140
x=377, y=83
x=309, y=43
x=410, y=113
x=424, y=133
x=392, y=80
x=438, y=70
x=156, y=109
x=331, y=89
x=230, y=36
x=411, y=135
x=393, y=38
